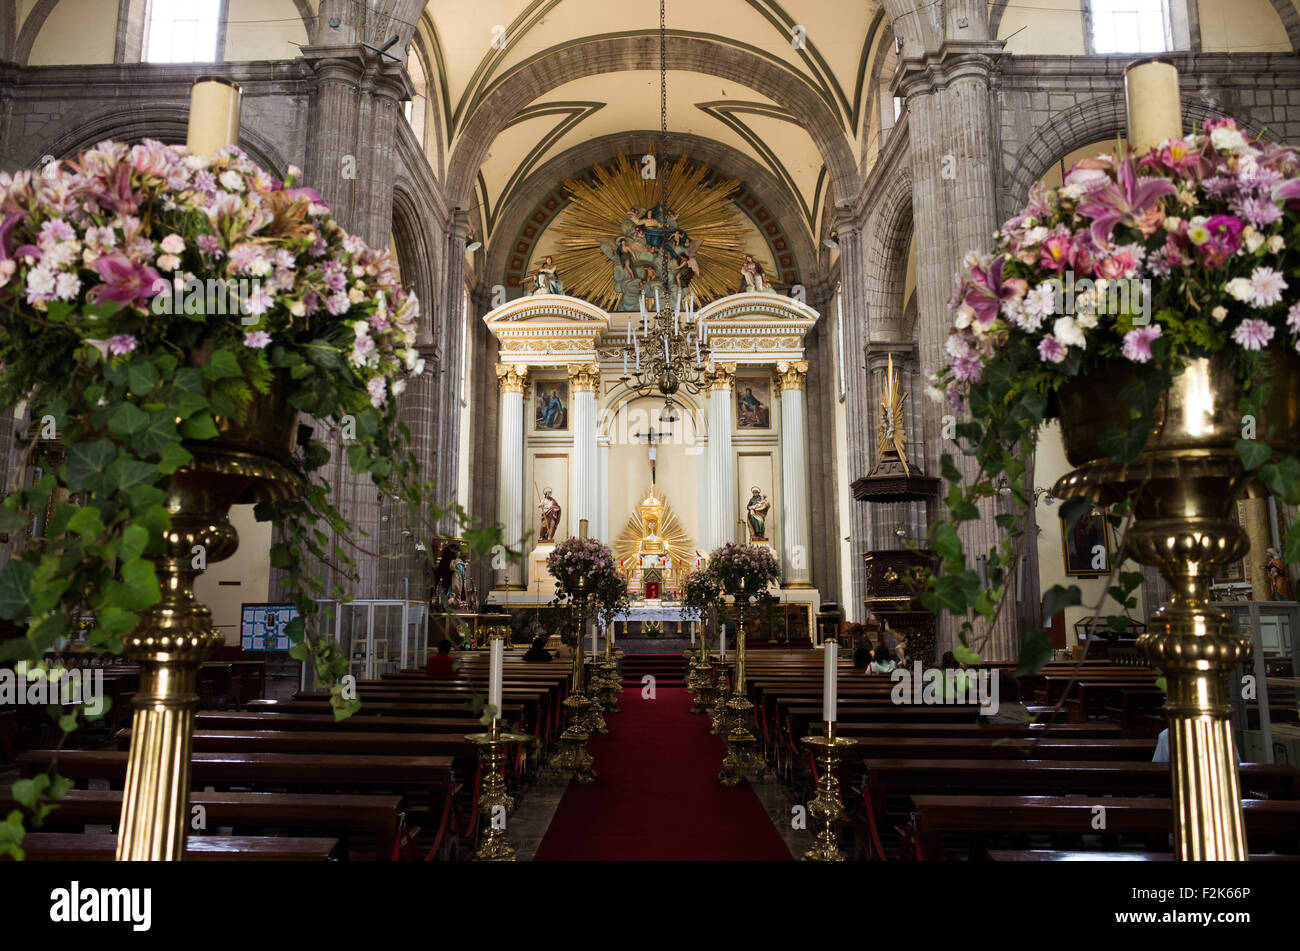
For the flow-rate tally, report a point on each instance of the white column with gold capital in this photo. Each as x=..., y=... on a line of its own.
x=795, y=540
x=720, y=516
x=510, y=507
x=584, y=378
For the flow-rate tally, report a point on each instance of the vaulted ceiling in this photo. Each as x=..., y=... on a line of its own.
x=517, y=83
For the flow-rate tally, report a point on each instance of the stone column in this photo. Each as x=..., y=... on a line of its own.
x=603, y=528
x=955, y=170
x=450, y=321
x=584, y=379
x=720, y=516
x=795, y=542
x=510, y=504
x=859, y=414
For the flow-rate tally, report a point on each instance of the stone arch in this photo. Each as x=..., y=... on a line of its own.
x=692, y=406
x=577, y=159
x=164, y=121
x=1087, y=122
x=552, y=68
x=416, y=256
x=889, y=233
x=31, y=29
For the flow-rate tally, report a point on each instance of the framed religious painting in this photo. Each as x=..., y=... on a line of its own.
x=753, y=403
x=1087, y=546
x=551, y=406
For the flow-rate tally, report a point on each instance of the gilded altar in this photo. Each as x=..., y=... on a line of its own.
x=653, y=552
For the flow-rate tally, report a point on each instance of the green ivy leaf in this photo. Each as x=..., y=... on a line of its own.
x=1058, y=598
x=142, y=378
x=86, y=522
x=172, y=456
x=86, y=464
x=1034, y=653
x=15, y=587
x=127, y=420
x=1253, y=453
x=125, y=472
x=224, y=365
x=199, y=426
x=139, y=585
x=965, y=655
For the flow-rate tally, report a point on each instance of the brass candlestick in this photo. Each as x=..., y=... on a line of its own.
x=826, y=807
x=1185, y=484
x=572, y=757
x=742, y=760
x=239, y=465
x=494, y=802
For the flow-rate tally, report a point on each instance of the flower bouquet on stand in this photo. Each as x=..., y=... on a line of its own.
x=746, y=573
x=1151, y=304
x=700, y=595
x=580, y=566
x=164, y=319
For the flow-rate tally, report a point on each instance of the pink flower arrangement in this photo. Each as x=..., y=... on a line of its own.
x=744, y=571
x=87, y=243
x=579, y=565
x=1155, y=258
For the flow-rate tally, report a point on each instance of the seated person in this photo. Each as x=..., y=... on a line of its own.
x=441, y=664
x=1010, y=709
x=862, y=656
x=949, y=661
x=538, y=654
x=882, y=660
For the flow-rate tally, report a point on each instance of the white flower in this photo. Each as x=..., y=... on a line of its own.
x=173, y=244
x=419, y=367
x=1173, y=223
x=1034, y=235
x=1219, y=314
x=169, y=262
x=934, y=394
x=1266, y=287
x=232, y=181
x=1072, y=192
x=1040, y=303
x=1251, y=238
x=398, y=387
x=1227, y=140
x=298, y=309
x=1238, y=287
x=197, y=163
x=1068, y=331
x=67, y=286
x=1087, y=319
x=1276, y=243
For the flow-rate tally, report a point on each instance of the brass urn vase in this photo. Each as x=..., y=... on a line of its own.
x=1184, y=486
x=248, y=461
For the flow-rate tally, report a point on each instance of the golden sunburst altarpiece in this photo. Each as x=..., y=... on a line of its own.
x=609, y=237
x=653, y=518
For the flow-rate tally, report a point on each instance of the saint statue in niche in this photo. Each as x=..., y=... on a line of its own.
x=551, y=511
x=547, y=279
x=757, y=509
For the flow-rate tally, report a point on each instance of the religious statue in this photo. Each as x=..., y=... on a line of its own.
x=753, y=279
x=551, y=512
x=451, y=581
x=757, y=508
x=1278, y=582
x=547, y=279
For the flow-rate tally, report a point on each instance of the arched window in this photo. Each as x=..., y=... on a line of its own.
x=182, y=31
x=1129, y=26
x=417, y=105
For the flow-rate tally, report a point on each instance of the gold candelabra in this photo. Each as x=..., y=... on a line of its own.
x=494, y=802
x=826, y=808
x=572, y=757
x=742, y=760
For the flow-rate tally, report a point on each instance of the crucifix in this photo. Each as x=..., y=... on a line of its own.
x=652, y=439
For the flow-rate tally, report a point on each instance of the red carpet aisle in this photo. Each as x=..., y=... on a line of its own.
x=657, y=795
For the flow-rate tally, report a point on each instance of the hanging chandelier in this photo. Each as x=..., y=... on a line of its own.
x=669, y=351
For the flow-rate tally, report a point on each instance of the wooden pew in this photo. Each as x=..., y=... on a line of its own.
x=325, y=722
x=978, y=816
x=1048, y=855
x=335, y=814
x=102, y=847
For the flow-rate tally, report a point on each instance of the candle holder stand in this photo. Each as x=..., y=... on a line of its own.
x=826, y=807
x=494, y=802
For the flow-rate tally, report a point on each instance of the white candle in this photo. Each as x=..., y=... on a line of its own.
x=656, y=300
x=593, y=640
x=722, y=640
x=828, y=680
x=676, y=315
x=692, y=633
x=667, y=359
x=625, y=363
x=496, y=671
x=629, y=331
x=697, y=349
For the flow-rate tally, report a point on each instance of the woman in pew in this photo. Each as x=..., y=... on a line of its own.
x=882, y=660
x=538, y=654
x=862, y=656
x=441, y=664
x=1010, y=709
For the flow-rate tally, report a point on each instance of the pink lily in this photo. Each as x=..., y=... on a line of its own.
x=1122, y=202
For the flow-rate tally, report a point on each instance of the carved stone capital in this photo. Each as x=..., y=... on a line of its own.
x=584, y=377
x=512, y=377
x=723, y=377
x=790, y=375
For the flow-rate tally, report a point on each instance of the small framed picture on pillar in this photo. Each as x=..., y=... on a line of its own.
x=1087, y=546
x=753, y=403
x=551, y=406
